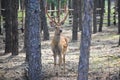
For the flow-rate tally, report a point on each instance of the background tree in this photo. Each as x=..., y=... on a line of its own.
x=75, y=20
x=109, y=11
x=11, y=26
x=118, y=16
x=119, y=41
x=33, y=39
x=25, y=33
x=8, y=26
x=119, y=21
x=14, y=15
x=115, y=12
x=102, y=4
x=22, y=4
x=0, y=18
x=94, y=17
x=85, y=41
x=44, y=25
x=70, y=5
x=80, y=14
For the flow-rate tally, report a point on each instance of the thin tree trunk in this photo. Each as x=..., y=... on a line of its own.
x=22, y=4
x=83, y=67
x=114, y=13
x=8, y=27
x=118, y=16
x=75, y=21
x=0, y=19
x=33, y=48
x=14, y=27
x=109, y=11
x=26, y=37
x=44, y=21
x=26, y=32
x=80, y=14
x=119, y=41
x=70, y=12
x=118, y=5
x=94, y=18
x=101, y=16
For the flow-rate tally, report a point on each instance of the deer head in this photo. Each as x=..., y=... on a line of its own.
x=58, y=31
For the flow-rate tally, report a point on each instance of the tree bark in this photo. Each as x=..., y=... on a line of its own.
x=75, y=21
x=44, y=20
x=70, y=6
x=114, y=13
x=119, y=41
x=33, y=47
x=8, y=27
x=94, y=18
x=26, y=32
x=22, y=4
x=83, y=67
x=80, y=14
x=14, y=27
x=0, y=19
x=118, y=16
x=101, y=15
x=109, y=11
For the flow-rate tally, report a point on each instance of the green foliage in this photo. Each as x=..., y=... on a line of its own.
x=63, y=2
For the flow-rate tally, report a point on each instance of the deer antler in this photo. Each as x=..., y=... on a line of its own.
x=67, y=12
x=53, y=20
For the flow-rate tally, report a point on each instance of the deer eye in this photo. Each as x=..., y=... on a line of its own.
x=55, y=27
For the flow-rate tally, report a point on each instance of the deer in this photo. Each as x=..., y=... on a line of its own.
x=59, y=43
x=59, y=46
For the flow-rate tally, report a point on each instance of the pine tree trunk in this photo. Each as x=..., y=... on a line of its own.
x=94, y=18
x=101, y=15
x=44, y=20
x=70, y=3
x=118, y=16
x=119, y=41
x=109, y=11
x=33, y=39
x=22, y=4
x=75, y=21
x=0, y=19
x=14, y=27
x=8, y=27
x=83, y=67
x=26, y=32
x=80, y=14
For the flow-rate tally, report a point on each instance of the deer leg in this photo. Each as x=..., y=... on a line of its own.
x=60, y=60
x=55, y=58
x=64, y=63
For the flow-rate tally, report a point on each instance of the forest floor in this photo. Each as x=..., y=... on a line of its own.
x=104, y=58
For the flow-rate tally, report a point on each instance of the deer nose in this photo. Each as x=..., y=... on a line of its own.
x=60, y=30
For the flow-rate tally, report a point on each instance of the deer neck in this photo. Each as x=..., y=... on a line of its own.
x=56, y=39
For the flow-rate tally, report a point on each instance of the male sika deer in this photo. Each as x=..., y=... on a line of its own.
x=59, y=46
x=59, y=43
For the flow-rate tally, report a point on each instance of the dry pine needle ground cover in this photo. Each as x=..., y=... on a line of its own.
x=104, y=58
